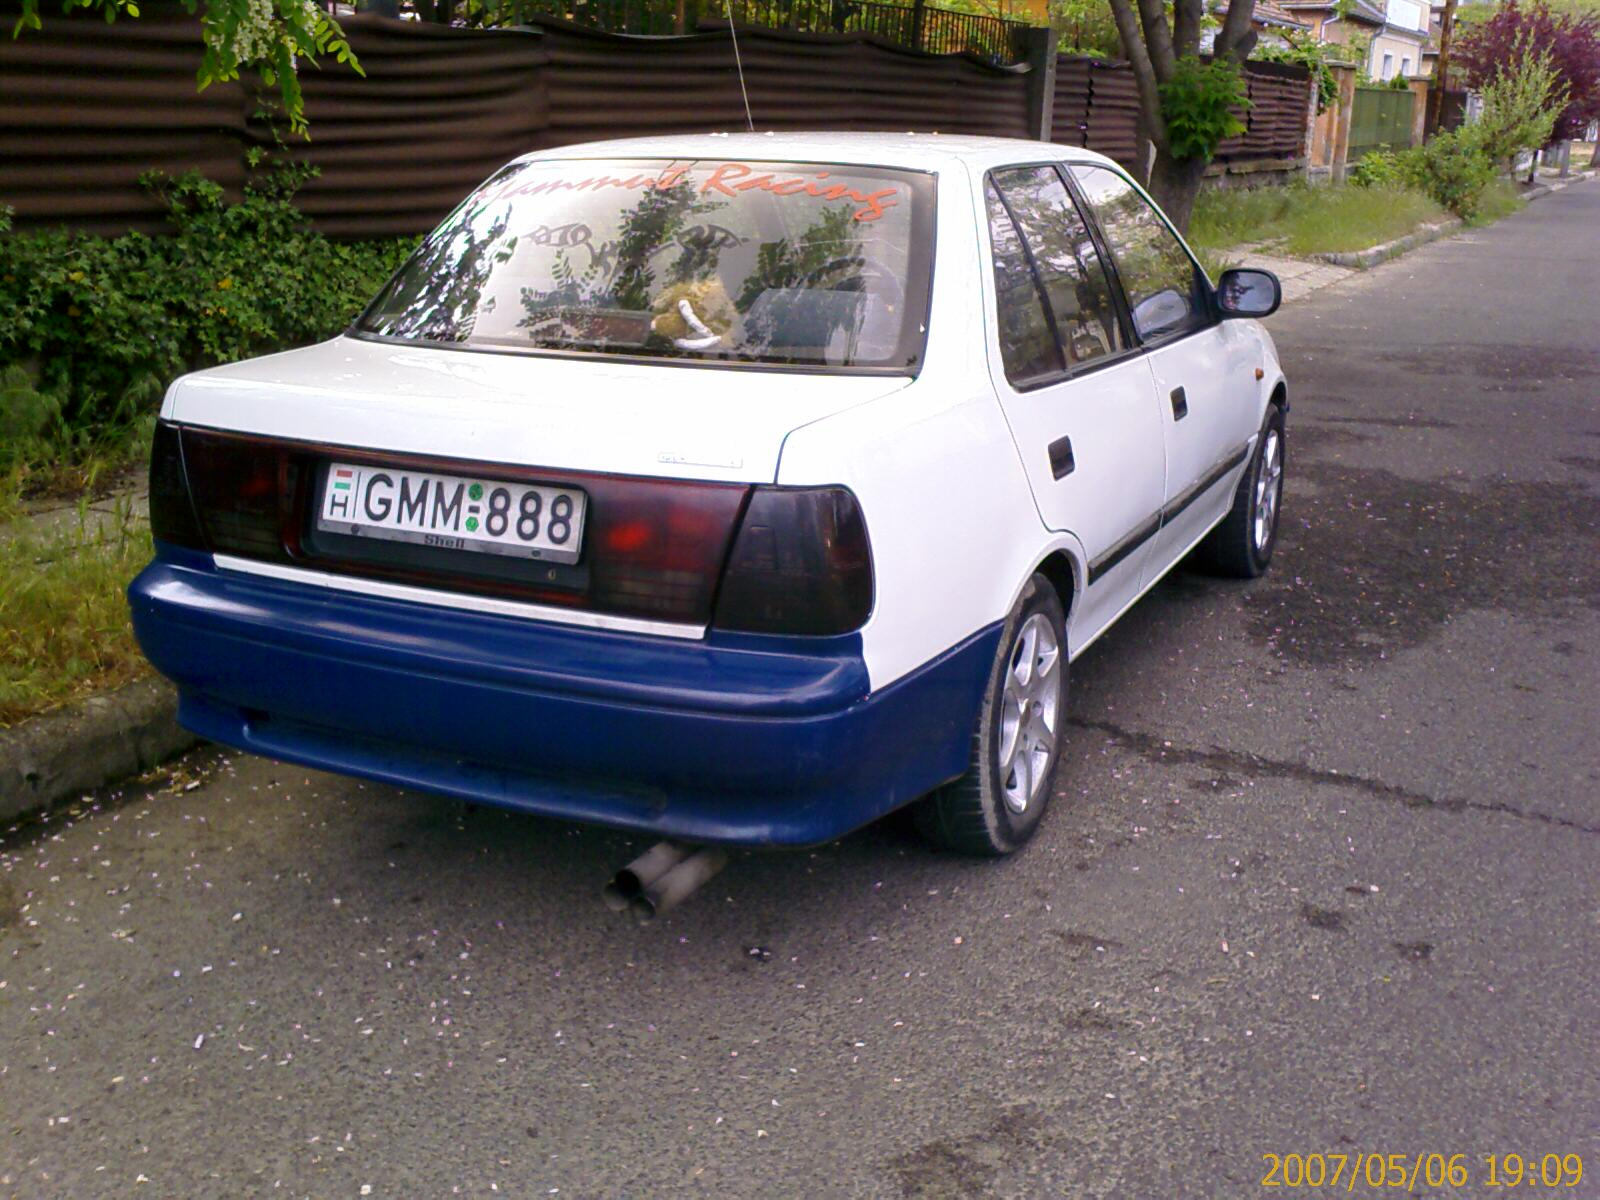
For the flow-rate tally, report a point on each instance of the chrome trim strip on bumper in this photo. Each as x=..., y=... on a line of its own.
x=460, y=600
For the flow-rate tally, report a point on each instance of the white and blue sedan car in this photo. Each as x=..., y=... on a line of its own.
x=733, y=489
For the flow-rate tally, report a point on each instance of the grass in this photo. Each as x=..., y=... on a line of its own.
x=1215, y=262
x=66, y=467
x=1309, y=220
x=1500, y=200
x=64, y=629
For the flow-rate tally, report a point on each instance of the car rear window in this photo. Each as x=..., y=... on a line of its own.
x=784, y=263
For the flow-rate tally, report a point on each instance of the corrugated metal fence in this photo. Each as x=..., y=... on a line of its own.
x=85, y=107
x=1277, y=121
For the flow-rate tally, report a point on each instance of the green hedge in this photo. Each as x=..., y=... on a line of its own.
x=99, y=326
x=1451, y=167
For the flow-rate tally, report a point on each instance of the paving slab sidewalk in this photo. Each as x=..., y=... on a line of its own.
x=1300, y=277
x=41, y=519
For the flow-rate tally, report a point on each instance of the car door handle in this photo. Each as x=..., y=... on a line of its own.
x=1180, y=404
x=1061, y=462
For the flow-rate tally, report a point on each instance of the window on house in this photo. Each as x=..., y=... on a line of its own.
x=1405, y=66
x=1388, y=67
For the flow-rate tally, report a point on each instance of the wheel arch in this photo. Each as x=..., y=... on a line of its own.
x=1061, y=569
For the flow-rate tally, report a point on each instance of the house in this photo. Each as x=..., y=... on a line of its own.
x=1271, y=21
x=1395, y=32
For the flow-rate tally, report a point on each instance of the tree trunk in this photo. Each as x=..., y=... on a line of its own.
x=1175, y=182
x=1434, y=111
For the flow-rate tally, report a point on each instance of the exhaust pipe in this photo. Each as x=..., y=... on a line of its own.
x=627, y=884
x=677, y=884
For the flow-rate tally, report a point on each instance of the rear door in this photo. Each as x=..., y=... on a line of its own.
x=1077, y=395
x=1207, y=402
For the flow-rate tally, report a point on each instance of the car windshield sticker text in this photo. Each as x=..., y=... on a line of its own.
x=725, y=179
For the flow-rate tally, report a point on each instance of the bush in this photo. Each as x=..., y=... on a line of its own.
x=99, y=326
x=1200, y=103
x=29, y=418
x=1380, y=168
x=1453, y=168
x=1520, y=105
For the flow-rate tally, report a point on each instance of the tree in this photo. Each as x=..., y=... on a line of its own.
x=268, y=37
x=1489, y=50
x=1087, y=27
x=1521, y=104
x=1186, y=106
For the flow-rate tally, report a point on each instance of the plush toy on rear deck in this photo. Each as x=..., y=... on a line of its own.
x=695, y=315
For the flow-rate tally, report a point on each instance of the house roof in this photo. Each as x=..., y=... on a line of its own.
x=1267, y=12
x=1357, y=10
x=1272, y=13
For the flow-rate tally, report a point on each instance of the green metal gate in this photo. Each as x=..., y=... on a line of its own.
x=1379, y=117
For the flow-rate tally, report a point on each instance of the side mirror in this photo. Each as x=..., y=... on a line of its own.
x=1247, y=292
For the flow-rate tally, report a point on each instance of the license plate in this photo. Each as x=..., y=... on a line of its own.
x=454, y=512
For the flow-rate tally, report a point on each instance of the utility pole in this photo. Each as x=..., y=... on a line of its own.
x=1441, y=72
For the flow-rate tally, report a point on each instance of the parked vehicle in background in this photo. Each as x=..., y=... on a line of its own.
x=733, y=489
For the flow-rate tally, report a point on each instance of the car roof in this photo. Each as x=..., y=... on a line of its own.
x=915, y=151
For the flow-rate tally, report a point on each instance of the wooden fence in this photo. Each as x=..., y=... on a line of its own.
x=86, y=107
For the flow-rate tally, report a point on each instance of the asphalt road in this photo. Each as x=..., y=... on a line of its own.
x=1320, y=876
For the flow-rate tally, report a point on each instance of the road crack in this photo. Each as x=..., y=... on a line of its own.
x=1239, y=761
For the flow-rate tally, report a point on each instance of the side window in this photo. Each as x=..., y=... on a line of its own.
x=1027, y=343
x=1162, y=283
x=1065, y=260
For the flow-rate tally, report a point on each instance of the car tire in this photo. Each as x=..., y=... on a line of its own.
x=995, y=807
x=1241, y=547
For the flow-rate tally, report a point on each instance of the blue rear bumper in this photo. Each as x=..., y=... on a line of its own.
x=749, y=740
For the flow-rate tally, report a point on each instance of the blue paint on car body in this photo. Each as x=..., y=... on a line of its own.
x=747, y=740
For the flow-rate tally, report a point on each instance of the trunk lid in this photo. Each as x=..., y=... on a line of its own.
x=594, y=415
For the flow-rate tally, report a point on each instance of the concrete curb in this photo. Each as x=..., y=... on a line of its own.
x=89, y=745
x=1373, y=255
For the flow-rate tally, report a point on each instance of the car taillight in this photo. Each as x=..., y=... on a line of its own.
x=654, y=547
x=242, y=489
x=172, y=516
x=801, y=565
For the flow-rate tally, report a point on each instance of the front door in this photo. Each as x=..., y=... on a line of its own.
x=1078, y=398
x=1208, y=408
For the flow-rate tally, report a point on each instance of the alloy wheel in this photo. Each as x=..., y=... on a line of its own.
x=1269, y=487
x=1030, y=711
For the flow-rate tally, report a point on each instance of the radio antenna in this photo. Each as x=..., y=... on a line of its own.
x=739, y=64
